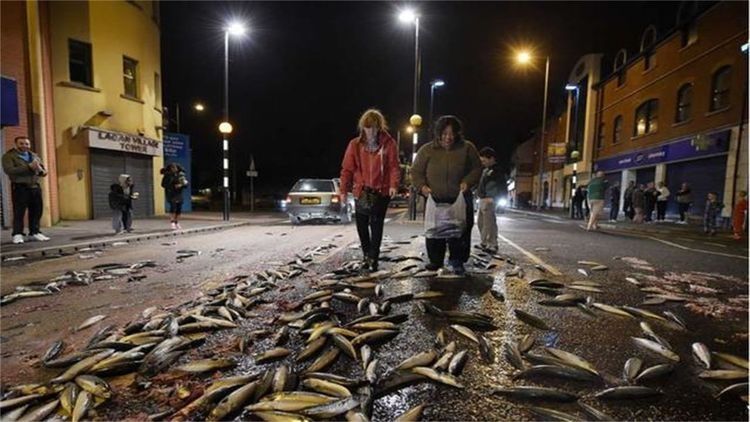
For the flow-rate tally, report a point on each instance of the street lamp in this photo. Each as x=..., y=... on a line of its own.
x=574, y=154
x=237, y=29
x=199, y=107
x=410, y=16
x=437, y=83
x=523, y=58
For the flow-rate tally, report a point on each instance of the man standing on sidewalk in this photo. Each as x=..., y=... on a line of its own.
x=628, y=201
x=24, y=168
x=661, y=202
x=614, y=202
x=488, y=190
x=650, y=195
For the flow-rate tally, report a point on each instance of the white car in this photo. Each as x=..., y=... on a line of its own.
x=318, y=199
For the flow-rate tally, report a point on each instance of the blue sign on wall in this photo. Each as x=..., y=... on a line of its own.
x=177, y=150
x=690, y=148
x=8, y=102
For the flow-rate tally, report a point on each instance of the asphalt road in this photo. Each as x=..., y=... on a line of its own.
x=715, y=311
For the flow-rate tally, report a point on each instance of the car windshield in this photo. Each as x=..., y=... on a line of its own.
x=313, y=186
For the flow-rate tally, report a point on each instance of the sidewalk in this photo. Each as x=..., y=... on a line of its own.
x=69, y=236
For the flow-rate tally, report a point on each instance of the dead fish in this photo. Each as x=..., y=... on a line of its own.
x=366, y=352
x=584, y=272
x=643, y=313
x=374, y=336
x=632, y=368
x=432, y=374
x=653, y=301
x=18, y=401
x=342, y=343
x=674, y=317
x=599, y=268
x=657, y=348
x=457, y=363
x=84, y=403
x=513, y=355
x=311, y=349
x=325, y=360
x=272, y=355
x=208, y=365
x=363, y=304
x=16, y=414
x=655, y=371
x=571, y=359
x=430, y=294
x=82, y=366
x=326, y=387
x=585, y=288
x=371, y=371
x=526, y=343
x=702, y=355
x=589, y=263
x=68, y=397
x=278, y=416
x=328, y=411
x=233, y=402
x=486, y=350
x=40, y=413
x=566, y=372
x=627, y=392
x=731, y=359
x=595, y=413
x=89, y=322
x=651, y=333
x=552, y=414
x=94, y=385
x=537, y=393
x=611, y=309
x=419, y=359
x=633, y=281
x=53, y=351
x=734, y=389
x=531, y=320
x=724, y=374
x=466, y=332
x=412, y=415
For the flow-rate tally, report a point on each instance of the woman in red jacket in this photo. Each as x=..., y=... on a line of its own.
x=371, y=171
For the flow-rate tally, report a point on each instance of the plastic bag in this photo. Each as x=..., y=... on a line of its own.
x=445, y=221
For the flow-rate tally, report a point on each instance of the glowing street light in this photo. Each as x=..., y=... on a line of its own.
x=199, y=107
x=407, y=16
x=523, y=57
x=236, y=28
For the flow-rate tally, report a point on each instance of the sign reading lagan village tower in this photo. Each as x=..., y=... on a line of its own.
x=124, y=142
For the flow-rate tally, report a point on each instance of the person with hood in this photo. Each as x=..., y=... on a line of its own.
x=24, y=169
x=117, y=203
x=627, y=208
x=442, y=169
x=128, y=190
x=489, y=190
x=370, y=169
x=174, y=182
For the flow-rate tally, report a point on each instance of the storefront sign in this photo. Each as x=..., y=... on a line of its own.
x=556, y=152
x=685, y=149
x=177, y=150
x=124, y=142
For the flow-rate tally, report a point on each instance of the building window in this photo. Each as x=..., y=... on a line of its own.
x=600, y=138
x=688, y=35
x=648, y=60
x=130, y=76
x=621, y=78
x=684, y=101
x=79, y=61
x=617, y=130
x=645, y=117
x=720, y=88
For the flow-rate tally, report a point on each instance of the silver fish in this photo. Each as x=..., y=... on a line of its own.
x=90, y=321
x=657, y=348
x=412, y=415
x=655, y=371
x=419, y=359
x=702, y=355
x=632, y=368
x=537, y=393
x=627, y=392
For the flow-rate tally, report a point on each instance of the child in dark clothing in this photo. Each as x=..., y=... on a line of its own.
x=118, y=205
x=711, y=212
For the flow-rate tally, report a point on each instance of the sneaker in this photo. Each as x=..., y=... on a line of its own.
x=117, y=232
x=17, y=239
x=458, y=269
x=374, y=265
x=179, y=227
x=491, y=249
x=174, y=226
x=432, y=267
x=40, y=237
x=129, y=230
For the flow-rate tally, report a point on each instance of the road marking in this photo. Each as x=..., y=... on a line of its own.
x=715, y=244
x=549, y=220
x=531, y=256
x=666, y=242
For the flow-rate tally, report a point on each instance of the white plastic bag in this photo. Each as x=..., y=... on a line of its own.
x=445, y=221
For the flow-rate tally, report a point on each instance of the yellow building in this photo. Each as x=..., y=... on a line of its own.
x=106, y=73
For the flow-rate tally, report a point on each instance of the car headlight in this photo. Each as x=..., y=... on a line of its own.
x=503, y=202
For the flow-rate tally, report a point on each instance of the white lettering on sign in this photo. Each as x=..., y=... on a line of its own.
x=126, y=142
x=625, y=161
x=657, y=154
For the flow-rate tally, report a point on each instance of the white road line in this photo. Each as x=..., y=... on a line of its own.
x=666, y=242
x=531, y=256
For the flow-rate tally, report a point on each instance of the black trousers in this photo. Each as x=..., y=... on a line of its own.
x=459, y=248
x=24, y=198
x=649, y=210
x=370, y=227
x=661, y=210
x=175, y=207
x=614, y=210
x=684, y=206
x=578, y=210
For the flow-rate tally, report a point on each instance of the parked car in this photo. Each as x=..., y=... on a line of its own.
x=401, y=199
x=318, y=199
x=201, y=199
x=501, y=204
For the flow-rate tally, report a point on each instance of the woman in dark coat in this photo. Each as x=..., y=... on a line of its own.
x=174, y=182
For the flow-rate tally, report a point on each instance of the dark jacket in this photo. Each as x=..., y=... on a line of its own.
x=712, y=210
x=491, y=183
x=173, y=184
x=614, y=195
x=19, y=171
x=443, y=170
x=639, y=198
x=117, y=199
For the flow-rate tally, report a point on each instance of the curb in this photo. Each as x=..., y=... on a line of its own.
x=56, y=251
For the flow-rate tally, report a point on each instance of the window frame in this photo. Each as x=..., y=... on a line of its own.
x=88, y=62
x=651, y=107
x=601, y=135
x=125, y=61
x=721, y=71
x=686, y=108
x=617, y=129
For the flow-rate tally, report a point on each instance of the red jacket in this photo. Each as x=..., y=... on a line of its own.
x=379, y=170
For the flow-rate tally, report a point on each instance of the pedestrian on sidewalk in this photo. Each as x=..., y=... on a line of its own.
x=489, y=189
x=578, y=204
x=739, y=216
x=614, y=202
x=596, y=188
x=24, y=168
x=117, y=203
x=128, y=190
x=650, y=201
x=662, y=201
x=174, y=182
x=370, y=169
x=711, y=212
x=639, y=202
x=443, y=168
x=627, y=207
x=684, y=201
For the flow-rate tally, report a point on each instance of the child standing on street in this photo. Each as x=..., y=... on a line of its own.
x=712, y=210
x=739, y=216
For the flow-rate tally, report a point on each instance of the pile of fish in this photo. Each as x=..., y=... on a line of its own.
x=102, y=272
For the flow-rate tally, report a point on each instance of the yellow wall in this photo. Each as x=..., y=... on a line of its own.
x=114, y=29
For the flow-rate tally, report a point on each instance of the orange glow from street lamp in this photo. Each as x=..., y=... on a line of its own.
x=410, y=129
x=523, y=57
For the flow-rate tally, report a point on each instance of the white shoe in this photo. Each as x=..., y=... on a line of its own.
x=17, y=239
x=174, y=226
x=40, y=237
x=178, y=226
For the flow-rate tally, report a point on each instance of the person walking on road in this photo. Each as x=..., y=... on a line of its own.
x=596, y=188
x=684, y=201
x=370, y=169
x=443, y=168
x=489, y=189
x=174, y=182
x=24, y=168
x=650, y=201
x=739, y=216
x=661, y=201
x=117, y=203
x=578, y=204
x=627, y=207
x=711, y=213
x=614, y=202
x=639, y=203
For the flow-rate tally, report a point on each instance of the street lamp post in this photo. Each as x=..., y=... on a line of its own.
x=237, y=29
x=409, y=16
x=574, y=153
x=437, y=83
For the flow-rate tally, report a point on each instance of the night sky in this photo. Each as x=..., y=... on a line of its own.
x=303, y=74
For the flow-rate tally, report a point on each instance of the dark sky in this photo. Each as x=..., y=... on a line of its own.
x=303, y=74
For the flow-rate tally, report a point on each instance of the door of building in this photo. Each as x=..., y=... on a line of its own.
x=703, y=176
x=107, y=166
x=645, y=175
